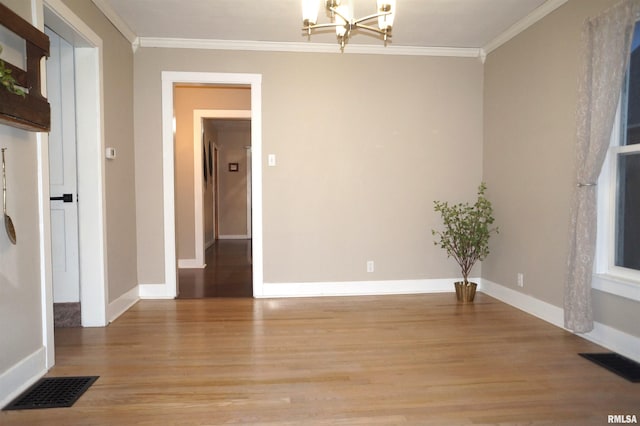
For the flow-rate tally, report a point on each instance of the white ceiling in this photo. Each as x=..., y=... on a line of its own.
x=418, y=23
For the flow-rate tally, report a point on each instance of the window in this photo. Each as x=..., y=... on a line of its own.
x=627, y=154
x=619, y=193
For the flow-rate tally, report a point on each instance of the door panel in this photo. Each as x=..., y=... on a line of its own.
x=62, y=170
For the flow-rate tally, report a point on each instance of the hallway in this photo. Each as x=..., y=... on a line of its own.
x=227, y=274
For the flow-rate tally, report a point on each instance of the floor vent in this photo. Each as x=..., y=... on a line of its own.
x=623, y=367
x=52, y=392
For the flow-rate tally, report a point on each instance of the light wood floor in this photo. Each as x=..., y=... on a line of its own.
x=386, y=360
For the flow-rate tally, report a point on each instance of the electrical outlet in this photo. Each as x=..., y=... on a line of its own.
x=370, y=266
x=520, y=279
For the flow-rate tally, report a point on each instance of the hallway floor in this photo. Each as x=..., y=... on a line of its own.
x=227, y=274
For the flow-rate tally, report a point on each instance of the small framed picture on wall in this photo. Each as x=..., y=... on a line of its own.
x=233, y=167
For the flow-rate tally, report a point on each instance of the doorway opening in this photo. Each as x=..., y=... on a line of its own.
x=63, y=183
x=170, y=79
x=91, y=235
x=222, y=266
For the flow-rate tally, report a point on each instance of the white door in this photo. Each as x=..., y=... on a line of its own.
x=62, y=170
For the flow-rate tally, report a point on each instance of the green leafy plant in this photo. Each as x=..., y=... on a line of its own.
x=467, y=229
x=7, y=80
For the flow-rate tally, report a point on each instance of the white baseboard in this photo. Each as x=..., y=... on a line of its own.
x=20, y=376
x=524, y=302
x=154, y=291
x=190, y=264
x=234, y=237
x=358, y=288
x=613, y=339
x=122, y=304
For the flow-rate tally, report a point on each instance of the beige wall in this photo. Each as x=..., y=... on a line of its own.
x=186, y=100
x=20, y=280
x=120, y=197
x=21, y=307
x=232, y=139
x=530, y=98
x=364, y=145
x=20, y=271
x=22, y=357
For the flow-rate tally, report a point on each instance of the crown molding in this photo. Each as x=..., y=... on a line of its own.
x=308, y=47
x=117, y=22
x=265, y=46
x=533, y=17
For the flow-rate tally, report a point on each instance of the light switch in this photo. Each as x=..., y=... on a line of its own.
x=271, y=160
x=110, y=153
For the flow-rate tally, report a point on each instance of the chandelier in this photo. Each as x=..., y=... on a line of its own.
x=343, y=21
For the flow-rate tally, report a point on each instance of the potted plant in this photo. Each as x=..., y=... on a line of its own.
x=7, y=80
x=465, y=237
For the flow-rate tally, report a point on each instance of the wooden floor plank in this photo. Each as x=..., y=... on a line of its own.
x=411, y=359
x=227, y=272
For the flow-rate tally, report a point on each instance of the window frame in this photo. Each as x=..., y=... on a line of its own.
x=608, y=277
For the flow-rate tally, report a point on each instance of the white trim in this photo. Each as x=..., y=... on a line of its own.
x=608, y=277
x=616, y=285
x=524, y=302
x=122, y=303
x=92, y=227
x=118, y=22
x=615, y=340
x=535, y=16
x=46, y=274
x=82, y=30
x=169, y=78
x=198, y=116
x=17, y=378
x=304, y=47
x=91, y=188
x=168, y=184
x=248, y=177
x=467, y=52
x=44, y=216
x=359, y=288
x=603, y=335
x=191, y=264
x=155, y=291
x=234, y=237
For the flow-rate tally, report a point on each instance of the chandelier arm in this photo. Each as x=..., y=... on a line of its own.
x=374, y=29
x=314, y=26
x=366, y=18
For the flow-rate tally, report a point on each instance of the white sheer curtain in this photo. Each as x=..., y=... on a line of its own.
x=606, y=44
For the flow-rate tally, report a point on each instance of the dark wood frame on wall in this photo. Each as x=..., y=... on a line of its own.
x=31, y=112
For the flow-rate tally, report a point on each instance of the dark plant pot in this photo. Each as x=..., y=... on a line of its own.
x=465, y=293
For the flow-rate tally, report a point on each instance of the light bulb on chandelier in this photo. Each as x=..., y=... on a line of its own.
x=342, y=19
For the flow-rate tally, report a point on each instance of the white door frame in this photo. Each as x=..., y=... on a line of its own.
x=169, y=79
x=249, y=196
x=198, y=181
x=91, y=206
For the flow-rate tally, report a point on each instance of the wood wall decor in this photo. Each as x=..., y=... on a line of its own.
x=31, y=112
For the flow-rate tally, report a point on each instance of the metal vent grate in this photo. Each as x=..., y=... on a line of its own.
x=623, y=367
x=52, y=392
